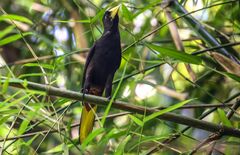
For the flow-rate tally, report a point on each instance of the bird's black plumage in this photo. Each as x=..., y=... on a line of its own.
x=103, y=60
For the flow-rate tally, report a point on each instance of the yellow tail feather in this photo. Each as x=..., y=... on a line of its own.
x=87, y=122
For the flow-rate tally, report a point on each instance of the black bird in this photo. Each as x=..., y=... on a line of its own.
x=103, y=60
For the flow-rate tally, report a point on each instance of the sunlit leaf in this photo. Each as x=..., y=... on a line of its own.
x=13, y=38
x=8, y=111
x=47, y=66
x=146, y=7
x=114, y=133
x=226, y=74
x=5, y=85
x=15, y=17
x=34, y=74
x=91, y=136
x=23, y=126
x=224, y=118
x=136, y=120
x=13, y=103
x=72, y=21
x=56, y=149
x=178, y=55
x=121, y=146
x=98, y=16
x=145, y=139
x=126, y=13
x=169, y=109
x=6, y=31
x=232, y=76
x=4, y=119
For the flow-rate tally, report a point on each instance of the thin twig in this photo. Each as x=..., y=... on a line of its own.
x=215, y=47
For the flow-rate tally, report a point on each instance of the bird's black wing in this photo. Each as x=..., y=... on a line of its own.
x=89, y=57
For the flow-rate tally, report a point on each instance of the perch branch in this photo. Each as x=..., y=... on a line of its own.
x=53, y=91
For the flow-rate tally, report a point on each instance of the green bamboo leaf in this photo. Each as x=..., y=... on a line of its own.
x=57, y=149
x=4, y=119
x=35, y=92
x=226, y=74
x=12, y=96
x=47, y=66
x=152, y=138
x=65, y=149
x=13, y=38
x=33, y=74
x=6, y=31
x=4, y=105
x=29, y=142
x=75, y=21
x=91, y=136
x=114, y=133
x=232, y=76
x=178, y=55
x=98, y=16
x=5, y=85
x=13, y=80
x=171, y=108
x=148, y=139
x=24, y=83
x=23, y=126
x=8, y=111
x=126, y=13
x=224, y=118
x=136, y=120
x=15, y=17
x=121, y=146
x=146, y=7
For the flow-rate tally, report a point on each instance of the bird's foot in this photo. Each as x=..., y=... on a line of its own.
x=84, y=90
x=109, y=98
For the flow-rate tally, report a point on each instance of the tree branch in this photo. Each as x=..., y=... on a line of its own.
x=53, y=91
x=111, y=117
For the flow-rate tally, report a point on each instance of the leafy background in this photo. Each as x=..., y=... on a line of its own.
x=47, y=41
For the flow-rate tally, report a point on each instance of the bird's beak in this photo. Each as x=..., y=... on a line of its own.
x=114, y=11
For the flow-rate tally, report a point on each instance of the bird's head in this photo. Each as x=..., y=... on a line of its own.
x=110, y=18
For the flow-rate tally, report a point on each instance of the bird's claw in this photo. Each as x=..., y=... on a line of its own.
x=109, y=98
x=84, y=90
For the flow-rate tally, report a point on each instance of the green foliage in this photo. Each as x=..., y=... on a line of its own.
x=224, y=118
x=178, y=55
x=46, y=42
x=171, y=108
x=12, y=17
x=6, y=31
x=13, y=38
x=121, y=147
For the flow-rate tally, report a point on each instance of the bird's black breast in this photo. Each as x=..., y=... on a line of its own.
x=106, y=58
